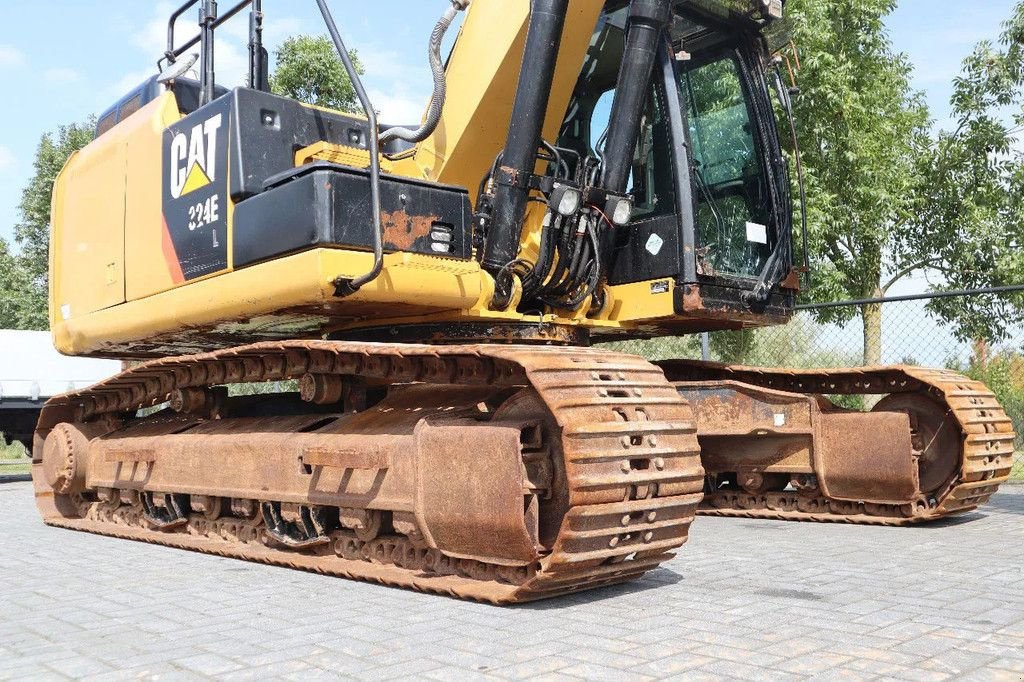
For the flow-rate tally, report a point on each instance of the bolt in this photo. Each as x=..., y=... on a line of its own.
x=614, y=542
x=659, y=463
x=651, y=516
x=648, y=536
x=625, y=466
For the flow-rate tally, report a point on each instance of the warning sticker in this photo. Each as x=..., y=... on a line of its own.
x=654, y=245
x=757, y=233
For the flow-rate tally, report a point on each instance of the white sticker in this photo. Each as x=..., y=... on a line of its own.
x=756, y=232
x=654, y=245
x=65, y=311
x=780, y=420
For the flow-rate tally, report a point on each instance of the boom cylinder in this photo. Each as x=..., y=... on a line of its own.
x=518, y=160
x=647, y=19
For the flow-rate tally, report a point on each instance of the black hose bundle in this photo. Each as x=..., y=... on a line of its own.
x=440, y=84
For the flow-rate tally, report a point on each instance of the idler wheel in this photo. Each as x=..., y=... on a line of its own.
x=936, y=437
x=65, y=458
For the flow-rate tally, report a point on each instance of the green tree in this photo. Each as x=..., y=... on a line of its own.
x=862, y=129
x=975, y=188
x=27, y=279
x=309, y=70
x=9, y=296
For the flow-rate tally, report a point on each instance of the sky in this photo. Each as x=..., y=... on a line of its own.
x=89, y=53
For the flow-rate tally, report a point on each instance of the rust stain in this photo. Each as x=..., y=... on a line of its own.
x=401, y=230
x=692, y=300
x=792, y=281
x=892, y=466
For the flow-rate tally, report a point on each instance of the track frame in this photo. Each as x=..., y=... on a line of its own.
x=629, y=448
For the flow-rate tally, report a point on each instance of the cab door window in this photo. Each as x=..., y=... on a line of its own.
x=733, y=212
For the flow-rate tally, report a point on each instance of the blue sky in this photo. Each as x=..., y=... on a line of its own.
x=61, y=67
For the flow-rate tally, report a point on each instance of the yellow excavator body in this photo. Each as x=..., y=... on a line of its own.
x=365, y=347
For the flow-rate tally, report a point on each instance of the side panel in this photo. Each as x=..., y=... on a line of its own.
x=87, y=242
x=107, y=203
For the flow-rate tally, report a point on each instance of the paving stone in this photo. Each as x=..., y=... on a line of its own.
x=447, y=674
x=534, y=667
x=210, y=665
x=743, y=600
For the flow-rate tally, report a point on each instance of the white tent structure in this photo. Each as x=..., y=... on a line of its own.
x=31, y=372
x=31, y=369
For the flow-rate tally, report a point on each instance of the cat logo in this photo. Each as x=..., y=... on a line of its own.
x=193, y=158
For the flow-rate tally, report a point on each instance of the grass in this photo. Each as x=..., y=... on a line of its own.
x=12, y=451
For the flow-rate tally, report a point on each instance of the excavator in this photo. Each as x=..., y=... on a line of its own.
x=375, y=351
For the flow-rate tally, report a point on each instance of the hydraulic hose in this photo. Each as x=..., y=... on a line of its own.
x=440, y=83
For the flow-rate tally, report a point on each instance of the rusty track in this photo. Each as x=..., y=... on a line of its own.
x=985, y=458
x=615, y=413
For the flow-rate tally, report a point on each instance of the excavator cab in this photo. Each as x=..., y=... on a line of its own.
x=710, y=191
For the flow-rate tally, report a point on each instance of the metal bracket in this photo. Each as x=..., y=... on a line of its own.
x=173, y=514
x=309, y=531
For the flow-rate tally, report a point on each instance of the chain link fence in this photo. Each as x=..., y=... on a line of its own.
x=912, y=334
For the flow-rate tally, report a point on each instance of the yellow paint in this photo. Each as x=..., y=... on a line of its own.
x=340, y=154
x=483, y=72
x=112, y=183
x=634, y=302
x=420, y=283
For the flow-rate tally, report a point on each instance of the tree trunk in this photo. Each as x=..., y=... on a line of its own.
x=872, y=316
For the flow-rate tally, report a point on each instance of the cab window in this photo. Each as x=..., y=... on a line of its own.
x=730, y=186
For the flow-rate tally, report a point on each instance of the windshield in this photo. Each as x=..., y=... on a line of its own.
x=733, y=206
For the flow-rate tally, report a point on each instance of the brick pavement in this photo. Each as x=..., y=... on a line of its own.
x=744, y=599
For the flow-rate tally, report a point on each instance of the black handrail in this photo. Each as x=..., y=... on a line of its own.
x=172, y=54
x=345, y=286
x=169, y=54
x=209, y=22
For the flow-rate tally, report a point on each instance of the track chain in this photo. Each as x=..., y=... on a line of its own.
x=985, y=459
x=610, y=408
